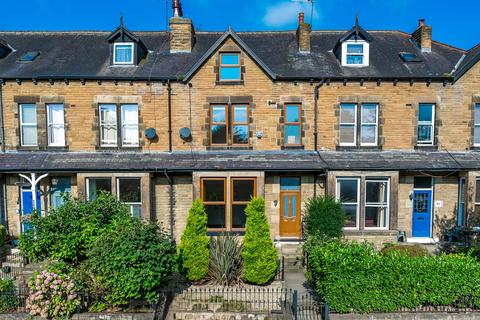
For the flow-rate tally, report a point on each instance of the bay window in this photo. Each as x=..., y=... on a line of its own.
x=28, y=124
x=225, y=201
x=56, y=125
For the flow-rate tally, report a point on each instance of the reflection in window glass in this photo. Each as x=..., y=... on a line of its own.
x=213, y=196
x=28, y=124
x=243, y=191
x=376, y=203
x=123, y=53
x=368, y=132
x=97, y=185
x=348, y=116
x=425, y=123
x=230, y=67
x=348, y=195
x=219, y=125
x=240, y=124
x=129, y=192
x=292, y=125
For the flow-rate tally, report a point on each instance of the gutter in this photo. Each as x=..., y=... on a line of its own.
x=315, y=129
x=169, y=90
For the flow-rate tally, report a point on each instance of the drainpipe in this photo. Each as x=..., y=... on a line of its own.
x=171, y=199
x=169, y=90
x=315, y=128
x=1, y=118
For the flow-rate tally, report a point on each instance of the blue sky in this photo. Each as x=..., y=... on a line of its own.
x=452, y=22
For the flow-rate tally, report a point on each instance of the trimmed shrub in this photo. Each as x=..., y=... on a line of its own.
x=52, y=296
x=3, y=234
x=413, y=250
x=258, y=253
x=8, y=296
x=324, y=217
x=193, y=251
x=131, y=261
x=353, y=277
x=68, y=231
x=225, y=260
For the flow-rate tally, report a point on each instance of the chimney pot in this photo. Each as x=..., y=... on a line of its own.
x=177, y=8
x=301, y=18
x=421, y=22
x=422, y=37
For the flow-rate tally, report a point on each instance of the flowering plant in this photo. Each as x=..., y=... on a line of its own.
x=52, y=296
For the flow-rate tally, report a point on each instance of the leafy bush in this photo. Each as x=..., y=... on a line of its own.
x=67, y=232
x=193, y=251
x=8, y=296
x=3, y=234
x=131, y=260
x=324, y=217
x=258, y=253
x=413, y=250
x=52, y=296
x=225, y=260
x=353, y=277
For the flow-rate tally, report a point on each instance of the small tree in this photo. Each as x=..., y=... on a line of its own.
x=193, y=251
x=324, y=217
x=131, y=260
x=259, y=254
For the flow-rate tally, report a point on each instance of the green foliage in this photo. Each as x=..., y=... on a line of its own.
x=353, y=277
x=8, y=297
x=3, y=234
x=324, y=217
x=225, y=260
x=67, y=232
x=258, y=253
x=413, y=250
x=131, y=260
x=193, y=251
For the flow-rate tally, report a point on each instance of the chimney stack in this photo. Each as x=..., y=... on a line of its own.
x=422, y=37
x=181, y=30
x=303, y=34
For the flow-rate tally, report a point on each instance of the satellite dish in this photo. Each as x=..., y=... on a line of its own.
x=185, y=134
x=150, y=133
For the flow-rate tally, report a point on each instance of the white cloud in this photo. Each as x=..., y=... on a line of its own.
x=285, y=13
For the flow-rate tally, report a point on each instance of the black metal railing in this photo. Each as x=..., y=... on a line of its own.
x=13, y=300
x=12, y=265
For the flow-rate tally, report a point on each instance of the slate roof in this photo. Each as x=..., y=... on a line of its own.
x=237, y=160
x=85, y=54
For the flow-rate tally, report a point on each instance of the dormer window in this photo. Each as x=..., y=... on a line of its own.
x=123, y=53
x=355, y=53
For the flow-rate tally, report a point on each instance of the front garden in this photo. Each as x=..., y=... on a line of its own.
x=354, y=277
x=100, y=259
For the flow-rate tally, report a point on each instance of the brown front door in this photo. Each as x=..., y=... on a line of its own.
x=290, y=215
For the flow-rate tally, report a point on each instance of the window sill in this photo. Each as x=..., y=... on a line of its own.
x=426, y=147
x=28, y=148
x=358, y=148
x=370, y=232
x=223, y=148
x=230, y=83
x=100, y=148
x=293, y=147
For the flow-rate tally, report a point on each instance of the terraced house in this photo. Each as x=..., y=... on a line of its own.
x=387, y=121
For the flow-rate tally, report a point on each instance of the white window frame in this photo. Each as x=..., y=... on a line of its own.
x=130, y=44
x=50, y=125
x=377, y=205
x=337, y=196
x=28, y=124
x=476, y=125
x=87, y=185
x=430, y=123
x=130, y=204
x=362, y=124
x=134, y=142
x=365, y=54
x=103, y=143
x=474, y=197
x=354, y=123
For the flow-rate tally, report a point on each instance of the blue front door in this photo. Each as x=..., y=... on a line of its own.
x=27, y=207
x=62, y=187
x=422, y=213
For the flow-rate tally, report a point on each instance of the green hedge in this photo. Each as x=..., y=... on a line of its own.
x=353, y=277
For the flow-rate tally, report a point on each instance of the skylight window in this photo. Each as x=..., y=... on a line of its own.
x=29, y=56
x=123, y=53
x=409, y=57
